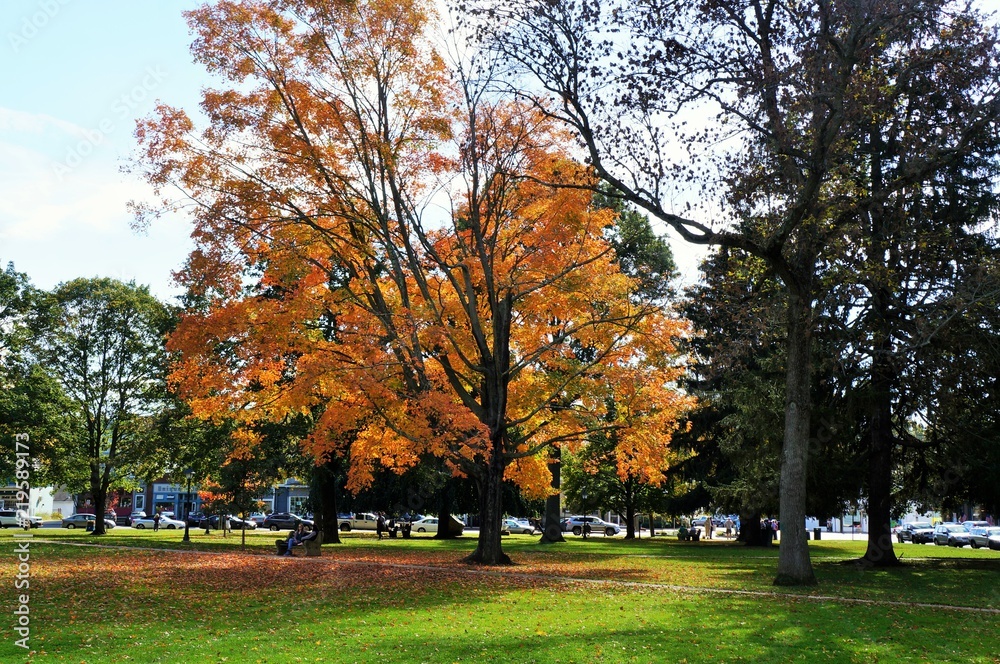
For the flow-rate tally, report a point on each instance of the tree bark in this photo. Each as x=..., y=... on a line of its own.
x=444, y=512
x=794, y=566
x=324, y=492
x=551, y=531
x=880, y=552
x=100, y=498
x=489, y=550
x=630, y=492
x=750, y=531
x=881, y=440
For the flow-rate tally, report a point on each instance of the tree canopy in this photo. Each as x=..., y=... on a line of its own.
x=381, y=238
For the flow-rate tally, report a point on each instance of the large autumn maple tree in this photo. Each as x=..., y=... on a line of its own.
x=375, y=246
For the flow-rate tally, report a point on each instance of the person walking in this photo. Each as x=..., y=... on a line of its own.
x=156, y=522
x=380, y=525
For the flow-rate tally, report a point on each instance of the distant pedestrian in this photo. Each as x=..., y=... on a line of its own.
x=380, y=525
x=708, y=528
x=729, y=527
x=156, y=522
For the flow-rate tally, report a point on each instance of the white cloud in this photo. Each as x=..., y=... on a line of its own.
x=12, y=120
x=59, y=223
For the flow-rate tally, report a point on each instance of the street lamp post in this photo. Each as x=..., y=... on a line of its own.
x=583, y=527
x=187, y=505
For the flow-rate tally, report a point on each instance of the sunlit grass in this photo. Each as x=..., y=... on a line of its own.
x=413, y=600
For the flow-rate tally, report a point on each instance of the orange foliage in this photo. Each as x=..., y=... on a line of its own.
x=323, y=281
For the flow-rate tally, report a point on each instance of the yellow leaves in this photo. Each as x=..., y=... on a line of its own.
x=532, y=475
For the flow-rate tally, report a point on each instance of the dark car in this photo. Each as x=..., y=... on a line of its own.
x=283, y=520
x=194, y=519
x=235, y=523
x=951, y=534
x=918, y=532
x=81, y=520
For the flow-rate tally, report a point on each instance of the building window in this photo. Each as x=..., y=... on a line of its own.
x=140, y=502
x=296, y=504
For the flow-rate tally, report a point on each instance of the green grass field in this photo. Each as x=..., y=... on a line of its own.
x=145, y=598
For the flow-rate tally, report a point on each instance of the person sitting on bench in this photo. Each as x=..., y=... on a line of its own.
x=296, y=538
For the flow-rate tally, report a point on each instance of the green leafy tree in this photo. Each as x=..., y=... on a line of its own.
x=31, y=402
x=101, y=340
x=758, y=108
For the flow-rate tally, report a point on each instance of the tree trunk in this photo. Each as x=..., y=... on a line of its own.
x=489, y=550
x=880, y=552
x=794, y=566
x=551, y=531
x=324, y=498
x=629, y=518
x=444, y=511
x=750, y=531
x=629, y=510
x=100, y=498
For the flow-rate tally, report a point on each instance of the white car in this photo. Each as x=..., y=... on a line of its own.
x=425, y=525
x=18, y=519
x=165, y=522
x=257, y=518
x=518, y=527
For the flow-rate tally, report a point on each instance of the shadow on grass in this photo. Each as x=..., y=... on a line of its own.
x=162, y=607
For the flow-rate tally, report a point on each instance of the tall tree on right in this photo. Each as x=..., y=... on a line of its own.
x=762, y=105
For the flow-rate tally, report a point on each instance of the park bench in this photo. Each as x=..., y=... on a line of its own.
x=312, y=547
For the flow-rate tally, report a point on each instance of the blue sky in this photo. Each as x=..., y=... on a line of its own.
x=74, y=77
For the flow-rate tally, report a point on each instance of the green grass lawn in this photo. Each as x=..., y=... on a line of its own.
x=413, y=601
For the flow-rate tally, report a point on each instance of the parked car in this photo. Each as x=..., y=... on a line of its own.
x=235, y=523
x=361, y=521
x=516, y=527
x=194, y=519
x=981, y=536
x=576, y=524
x=81, y=520
x=528, y=523
x=166, y=523
x=257, y=518
x=18, y=519
x=994, y=542
x=917, y=532
x=969, y=525
x=426, y=525
x=951, y=534
x=283, y=520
